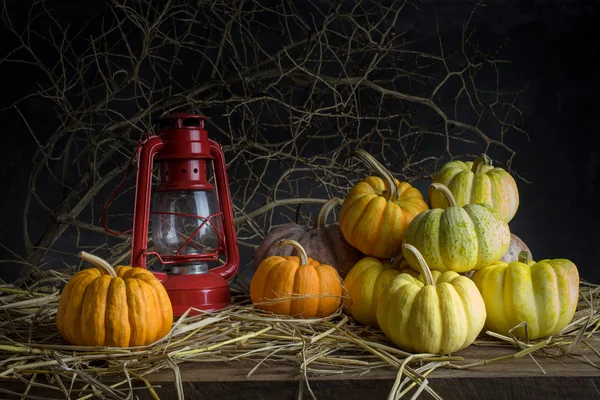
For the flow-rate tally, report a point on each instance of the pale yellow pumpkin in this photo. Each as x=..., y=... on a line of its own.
x=365, y=283
x=377, y=211
x=477, y=182
x=459, y=239
x=430, y=315
x=542, y=294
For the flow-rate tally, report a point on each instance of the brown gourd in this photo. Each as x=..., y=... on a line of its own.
x=516, y=246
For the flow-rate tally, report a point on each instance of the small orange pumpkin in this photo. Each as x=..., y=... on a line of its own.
x=117, y=307
x=324, y=242
x=296, y=285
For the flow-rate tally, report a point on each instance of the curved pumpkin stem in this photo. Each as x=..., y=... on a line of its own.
x=422, y=264
x=98, y=262
x=480, y=161
x=391, y=193
x=523, y=256
x=397, y=261
x=321, y=219
x=299, y=249
x=444, y=189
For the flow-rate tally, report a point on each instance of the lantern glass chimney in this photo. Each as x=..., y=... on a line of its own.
x=186, y=222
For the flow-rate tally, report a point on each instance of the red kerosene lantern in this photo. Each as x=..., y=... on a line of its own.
x=191, y=218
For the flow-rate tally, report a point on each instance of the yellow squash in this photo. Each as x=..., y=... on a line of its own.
x=459, y=239
x=429, y=315
x=377, y=211
x=296, y=286
x=542, y=294
x=118, y=307
x=477, y=181
x=365, y=283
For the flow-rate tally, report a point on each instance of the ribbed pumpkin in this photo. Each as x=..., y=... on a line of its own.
x=458, y=239
x=323, y=242
x=476, y=182
x=440, y=315
x=377, y=211
x=118, y=307
x=365, y=283
x=542, y=294
x=296, y=286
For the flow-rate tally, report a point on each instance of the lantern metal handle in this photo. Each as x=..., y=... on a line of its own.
x=141, y=218
x=232, y=253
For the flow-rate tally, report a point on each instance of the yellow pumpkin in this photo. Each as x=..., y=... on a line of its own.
x=118, y=307
x=459, y=239
x=542, y=294
x=296, y=286
x=365, y=283
x=430, y=315
x=377, y=211
x=479, y=182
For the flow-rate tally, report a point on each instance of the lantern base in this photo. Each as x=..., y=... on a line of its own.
x=206, y=292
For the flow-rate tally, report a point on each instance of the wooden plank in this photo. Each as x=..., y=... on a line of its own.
x=564, y=378
x=547, y=388
x=564, y=366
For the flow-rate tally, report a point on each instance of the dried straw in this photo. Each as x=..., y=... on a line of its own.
x=32, y=351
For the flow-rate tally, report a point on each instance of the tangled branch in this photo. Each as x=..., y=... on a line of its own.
x=289, y=91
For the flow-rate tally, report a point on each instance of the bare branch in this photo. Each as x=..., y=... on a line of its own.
x=289, y=93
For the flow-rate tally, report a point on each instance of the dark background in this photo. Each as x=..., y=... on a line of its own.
x=554, y=48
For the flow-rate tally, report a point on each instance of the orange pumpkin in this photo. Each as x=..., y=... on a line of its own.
x=296, y=285
x=118, y=307
x=324, y=242
x=377, y=211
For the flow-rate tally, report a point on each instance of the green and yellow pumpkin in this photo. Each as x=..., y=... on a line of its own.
x=477, y=182
x=459, y=239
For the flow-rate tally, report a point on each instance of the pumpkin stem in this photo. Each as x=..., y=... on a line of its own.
x=321, y=219
x=523, y=256
x=480, y=162
x=98, y=262
x=422, y=264
x=444, y=189
x=299, y=249
x=397, y=261
x=391, y=192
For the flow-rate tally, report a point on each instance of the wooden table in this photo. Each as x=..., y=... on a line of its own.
x=565, y=378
